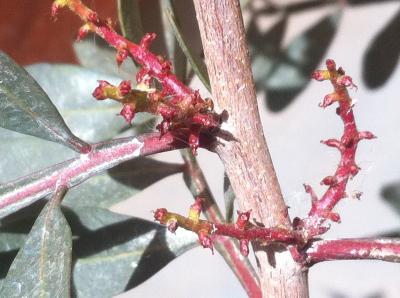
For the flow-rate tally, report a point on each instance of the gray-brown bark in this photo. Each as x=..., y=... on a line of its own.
x=246, y=159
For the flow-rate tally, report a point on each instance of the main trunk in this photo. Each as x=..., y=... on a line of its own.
x=245, y=156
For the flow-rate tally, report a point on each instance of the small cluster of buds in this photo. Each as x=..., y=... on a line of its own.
x=193, y=222
x=180, y=107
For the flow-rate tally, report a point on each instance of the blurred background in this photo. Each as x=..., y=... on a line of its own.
x=288, y=39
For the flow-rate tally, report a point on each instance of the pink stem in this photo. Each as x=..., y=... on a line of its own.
x=26, y=190
x=321, y=209
x=354, y=249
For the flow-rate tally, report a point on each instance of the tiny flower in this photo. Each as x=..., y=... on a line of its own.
x=100, y=93
x=160, y=215
x=329, y=180
x=244, y=247
x=147, y=39
x=128, y=113
x=172, y=225
x=195, y=209
x=321, y=75
x=122, y=54
x=83, y=32
x=330, y=64
x=125, y=87
x=243, y=219
x=205, y=240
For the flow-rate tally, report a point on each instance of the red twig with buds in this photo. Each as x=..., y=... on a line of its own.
x=180, y=107
x=321, y=208
x=207, y=231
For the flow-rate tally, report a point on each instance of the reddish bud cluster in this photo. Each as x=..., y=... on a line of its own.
x=181, y=108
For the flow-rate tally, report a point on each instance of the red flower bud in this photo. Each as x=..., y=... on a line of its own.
x=205, y=240
x=160, y=215
x=100, y=93
x=243, y=219
x=244, y=247
x=128, y=113
x=125, y=87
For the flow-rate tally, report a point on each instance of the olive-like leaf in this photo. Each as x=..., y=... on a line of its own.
x=70, y=88
x=391, y=194
x=229, y=198
x=42, y=268
x=283, y=73
x=115, y=252
x=112, y=253
x=25, y=108
x=197, y=65
x=130, y=19
x=382, y=55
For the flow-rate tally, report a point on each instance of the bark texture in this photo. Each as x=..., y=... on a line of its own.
x=246, y=158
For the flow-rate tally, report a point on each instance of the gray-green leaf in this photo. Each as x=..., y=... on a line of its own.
x=229, y=197
x=130, y=19
x=115, y=252
x=25, y=107
x=42, y=268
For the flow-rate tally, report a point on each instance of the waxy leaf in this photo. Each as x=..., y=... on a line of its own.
x=197, y=65
x=130, y=19
x=112, y=252
x=70, y=89
x=284, y=73
x=383, y=54
x=25, y=107
x=229, y=198
x=42, y=268
x=126, y=250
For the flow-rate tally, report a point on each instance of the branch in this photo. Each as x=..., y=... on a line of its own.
x=105, y=155
x=246, y=158
x=321, y=209
x=384, y=249
x=180, y=106
x=242, y=230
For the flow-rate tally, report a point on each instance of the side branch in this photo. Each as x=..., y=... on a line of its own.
x=105, y=155
x=322, y=208
x=384, y=249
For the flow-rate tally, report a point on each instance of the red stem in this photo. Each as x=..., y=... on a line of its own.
x=321, y=209
x=354, y=249
x=26, y=190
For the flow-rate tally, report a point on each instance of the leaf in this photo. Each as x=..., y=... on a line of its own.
x=391, y=194
x=229, y=197
x=382, y=55
x=42, y=267
x=95, y=54
x=284, y=73
x=25, y=108
x=130, y=19
x=125, y=250
x=70, y=87
x=112, y=252
x=197, y=65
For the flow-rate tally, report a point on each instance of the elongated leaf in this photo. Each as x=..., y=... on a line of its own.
x=112, y=252
x=126, y=251
x=383, y=54
x=198, y=66
x=42, y=267
x=391, y=194
x=283, y=73
x=229, y=197
x=130, y=19
x=25, y=107
x=70, y=87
